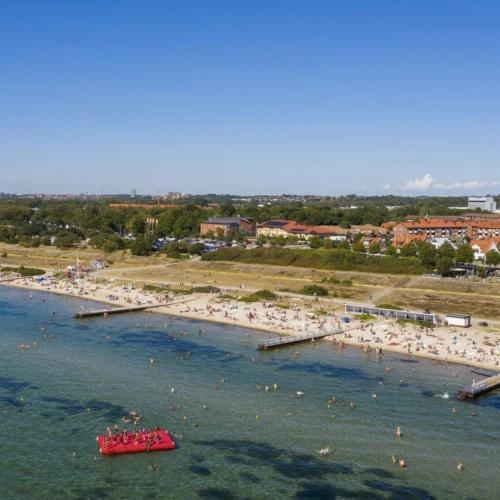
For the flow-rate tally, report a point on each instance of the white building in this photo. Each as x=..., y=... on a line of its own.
x=487, y=203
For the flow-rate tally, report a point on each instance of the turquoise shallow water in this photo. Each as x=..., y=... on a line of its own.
x=55, y=399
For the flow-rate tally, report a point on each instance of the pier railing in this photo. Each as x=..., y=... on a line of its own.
x=292, y=339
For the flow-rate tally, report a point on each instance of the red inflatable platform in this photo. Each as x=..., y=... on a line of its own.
x=160, y=440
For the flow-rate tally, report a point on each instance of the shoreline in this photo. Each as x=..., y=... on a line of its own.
x=445, y=345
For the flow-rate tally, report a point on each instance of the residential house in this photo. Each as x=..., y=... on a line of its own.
x=369, y=240
x=398, y=242
x=335, y=233
x=481, y=229
x=368, y=230
x=439, y=242
x=433, y=228
x=482, y=247
x=480, y=216
x=273, y=228
x=226, y=224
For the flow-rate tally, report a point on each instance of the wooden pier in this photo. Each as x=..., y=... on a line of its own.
x=479, y=388
x=117, y=310
x=294, y=339
x=125, y=309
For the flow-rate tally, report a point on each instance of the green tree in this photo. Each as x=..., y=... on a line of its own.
x=280, y=240
x=444, y=265
x=142, y=245
x=196, y=248
x=446, y=250
x=315, y=241
x=66, y=239
x=230, y=235
x=358, y=246
x=493, y=258
x=427, y=254
x=226, y=210
x=328, y=244
x=343, y=245
x=374, y=248
x=408, y=250
x=464, y=254
x=357, y=237
x=390, y=250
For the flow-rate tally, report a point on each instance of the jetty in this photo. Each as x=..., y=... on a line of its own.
x=294, y=339
x=88, y=313
x=479, y=388
x=117, y=310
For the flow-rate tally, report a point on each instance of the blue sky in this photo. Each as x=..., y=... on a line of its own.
x=271, y=97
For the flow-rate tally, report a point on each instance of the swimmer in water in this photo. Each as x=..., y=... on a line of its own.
x=398, y=432
x=393, y=459
x=325, y=451
x=459, y=466
x=402, y=463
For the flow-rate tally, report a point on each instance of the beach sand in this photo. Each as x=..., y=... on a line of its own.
x=468, y=346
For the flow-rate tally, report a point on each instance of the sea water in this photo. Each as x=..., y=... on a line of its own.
x=248, y=443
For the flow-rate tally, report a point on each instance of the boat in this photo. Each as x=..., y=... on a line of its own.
x=161, y=441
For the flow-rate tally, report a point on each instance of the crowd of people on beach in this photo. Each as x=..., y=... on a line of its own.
x=442, y=343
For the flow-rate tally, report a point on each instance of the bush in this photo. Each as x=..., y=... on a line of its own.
x=154, y=288
x=249, y=299
x=24, y=271
x=336, y=281
x=205, y=289
x=421, y=324
x=364, y=317
x=265, y=294
x=338, y=260
x=319, y=291
x=389, y=306
x=259, y=295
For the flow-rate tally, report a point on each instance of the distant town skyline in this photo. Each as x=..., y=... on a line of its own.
x=323, y=98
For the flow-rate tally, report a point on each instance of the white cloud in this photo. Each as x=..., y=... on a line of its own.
x=419, y=184
x=427, y=182
x=463, y=185
x=387, y=187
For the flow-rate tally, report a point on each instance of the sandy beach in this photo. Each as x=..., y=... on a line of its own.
x=444, y=344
